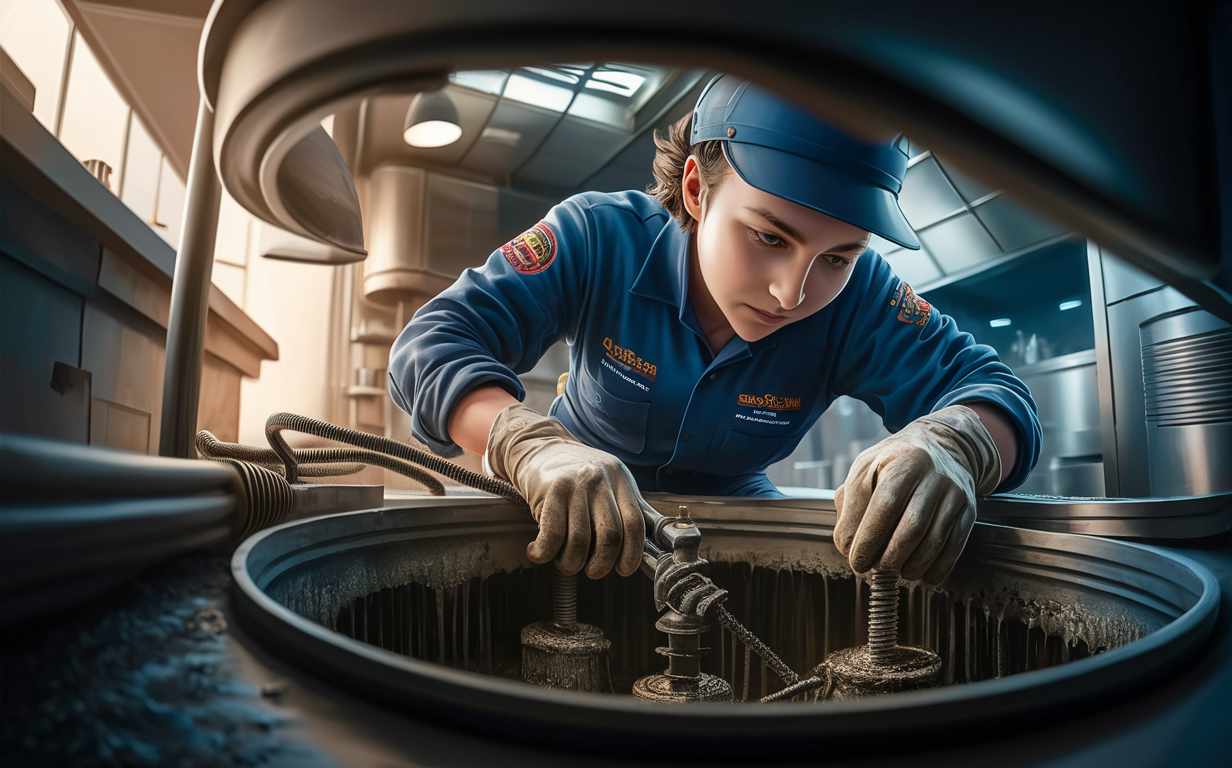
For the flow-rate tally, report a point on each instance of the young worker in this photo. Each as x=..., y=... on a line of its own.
x=710, y=324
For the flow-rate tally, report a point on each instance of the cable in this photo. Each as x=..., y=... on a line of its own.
x=811, y=683
x=280, y=422
x=776, y=665
x=321, y=462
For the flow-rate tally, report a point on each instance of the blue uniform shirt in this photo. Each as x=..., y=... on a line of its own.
x=609, y=274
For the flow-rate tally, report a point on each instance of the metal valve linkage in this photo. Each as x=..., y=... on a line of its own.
x=684, y=594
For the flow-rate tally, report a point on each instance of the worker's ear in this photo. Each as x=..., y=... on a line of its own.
x=691, y=188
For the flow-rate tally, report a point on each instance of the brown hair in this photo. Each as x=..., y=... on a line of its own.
x=671, y=152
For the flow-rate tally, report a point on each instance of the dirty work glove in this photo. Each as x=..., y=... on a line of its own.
x=577, y=494
x=909, y=501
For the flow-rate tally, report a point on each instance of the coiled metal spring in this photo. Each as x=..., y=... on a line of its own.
x=882, y=615
x=264, y=498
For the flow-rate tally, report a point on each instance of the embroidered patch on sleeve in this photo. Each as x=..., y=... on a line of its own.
x=911, y=308
x=532, y=251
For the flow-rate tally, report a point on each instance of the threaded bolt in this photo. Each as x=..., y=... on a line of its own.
x=564, y=599
x=882, y=615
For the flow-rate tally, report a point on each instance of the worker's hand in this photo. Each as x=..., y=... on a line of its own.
x=909, y=501
x=577, y=494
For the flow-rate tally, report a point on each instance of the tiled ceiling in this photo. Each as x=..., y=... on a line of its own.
x=583, y=119
x=961, y=224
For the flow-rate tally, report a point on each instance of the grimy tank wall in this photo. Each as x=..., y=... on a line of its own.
x=463, y=603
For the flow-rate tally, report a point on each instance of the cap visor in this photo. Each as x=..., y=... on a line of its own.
x=823, y=188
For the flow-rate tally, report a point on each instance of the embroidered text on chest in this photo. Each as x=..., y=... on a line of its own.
x=629, y=359
x=767, y=409
x=773, y=402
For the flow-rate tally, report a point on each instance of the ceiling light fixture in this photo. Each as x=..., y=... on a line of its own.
x=432, y=121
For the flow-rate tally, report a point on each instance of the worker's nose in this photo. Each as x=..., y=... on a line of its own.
x=788, y=283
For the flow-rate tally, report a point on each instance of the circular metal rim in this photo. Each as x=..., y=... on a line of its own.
x=589, y=722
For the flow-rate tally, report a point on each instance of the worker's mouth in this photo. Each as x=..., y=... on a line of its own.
x=766, y=317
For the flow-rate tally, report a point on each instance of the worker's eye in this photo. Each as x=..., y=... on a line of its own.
x=838, y=262
x=768, y=240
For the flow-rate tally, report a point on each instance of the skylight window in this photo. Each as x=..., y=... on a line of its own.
x=605, y=93
x=546, y=95
x=594, y=107
x=619, y=83
x=487, y=81
x=564, y=73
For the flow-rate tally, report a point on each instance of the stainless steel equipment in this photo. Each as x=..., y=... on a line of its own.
x=1066, y=391
x=1169, y=395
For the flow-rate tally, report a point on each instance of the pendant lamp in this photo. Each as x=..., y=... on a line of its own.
x=432, y=121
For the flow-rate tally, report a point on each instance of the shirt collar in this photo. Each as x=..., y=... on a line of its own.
x=665, y=277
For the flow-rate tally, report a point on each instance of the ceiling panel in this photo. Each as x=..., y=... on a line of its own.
x=970, y=189
x=572, y=153
x=631, y=169
x=913, y=267
x=1013, y=226
x=882, y=246
x=927, y=196
x=959, y=243
x=525, y=129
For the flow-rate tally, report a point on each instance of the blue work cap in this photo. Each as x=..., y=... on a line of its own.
x=783, y=150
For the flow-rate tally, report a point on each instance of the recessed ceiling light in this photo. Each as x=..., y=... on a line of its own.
x=501, y=136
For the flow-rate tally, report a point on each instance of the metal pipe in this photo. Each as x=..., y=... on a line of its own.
x=190, y=295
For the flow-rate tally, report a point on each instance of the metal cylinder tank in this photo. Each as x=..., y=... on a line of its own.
x=409, y=605
x=1066, y=390
x=397, y=271
x=1187, y=389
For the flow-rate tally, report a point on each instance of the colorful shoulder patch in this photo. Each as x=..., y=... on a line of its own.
x=911, y=308
x=532, y=251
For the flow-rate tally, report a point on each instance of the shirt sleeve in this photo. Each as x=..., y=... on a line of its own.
x=905, y=359
x=493, y=323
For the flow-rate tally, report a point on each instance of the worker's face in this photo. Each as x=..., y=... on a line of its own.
x=767, y=262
